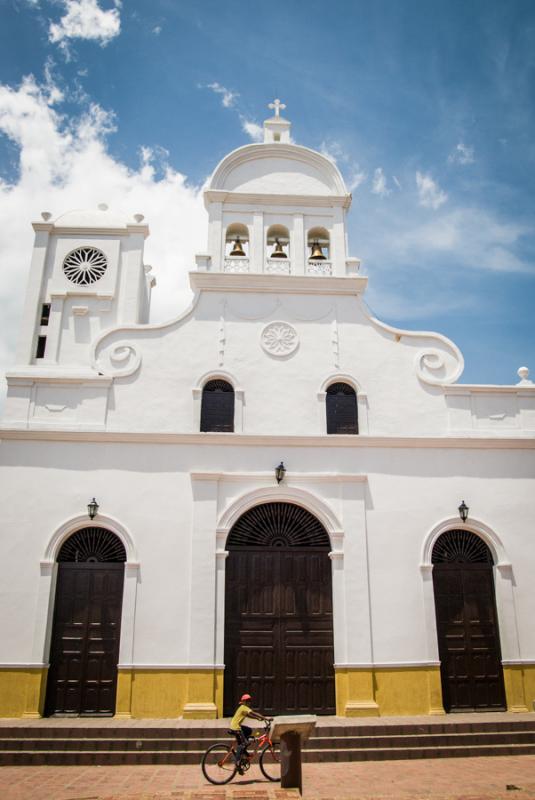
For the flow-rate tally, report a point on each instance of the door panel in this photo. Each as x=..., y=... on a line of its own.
x=85, y=639
x=278, y=630
x=468, y=637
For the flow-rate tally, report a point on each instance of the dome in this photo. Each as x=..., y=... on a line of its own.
x=277, y=169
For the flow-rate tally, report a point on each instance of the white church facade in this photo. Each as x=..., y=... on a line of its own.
x=290, y=497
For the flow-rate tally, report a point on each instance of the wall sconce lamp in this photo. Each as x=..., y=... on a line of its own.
x=92, y=509
x=463, y=511
x=280, y=472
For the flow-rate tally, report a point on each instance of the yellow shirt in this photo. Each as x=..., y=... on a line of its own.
x=242, y=712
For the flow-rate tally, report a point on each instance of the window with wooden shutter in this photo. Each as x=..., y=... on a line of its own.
x=341, y=402
x=217, y=408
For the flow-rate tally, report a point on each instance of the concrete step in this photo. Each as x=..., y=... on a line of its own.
x=119, y=744
x=128, y=757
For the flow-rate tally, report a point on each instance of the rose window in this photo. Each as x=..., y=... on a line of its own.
x=85, y=265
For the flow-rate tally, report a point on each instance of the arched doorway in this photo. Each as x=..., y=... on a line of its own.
x=278, y=612
x=84, y=653
x=467, y=623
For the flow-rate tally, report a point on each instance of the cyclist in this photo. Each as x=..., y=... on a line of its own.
x=243, y=732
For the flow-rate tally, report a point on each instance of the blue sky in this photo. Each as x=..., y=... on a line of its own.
x=427, y=107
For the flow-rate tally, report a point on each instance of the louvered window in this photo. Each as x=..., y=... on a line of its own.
x=217, y=408
x=341, y=401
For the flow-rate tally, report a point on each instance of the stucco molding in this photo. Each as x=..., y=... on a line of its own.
x=280, y=494
x=73, y=524
x=475, y=526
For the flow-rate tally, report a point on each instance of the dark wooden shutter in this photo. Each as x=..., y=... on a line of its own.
x=341, y=402
x=217, y=409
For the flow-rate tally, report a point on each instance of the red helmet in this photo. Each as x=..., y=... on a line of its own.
x=245, y=697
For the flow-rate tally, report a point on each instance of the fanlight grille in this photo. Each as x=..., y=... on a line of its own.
x=85, y=265
x=340, y=388
x=278, y=525
x=460, y=547
x=217, y=386
x=92, y=545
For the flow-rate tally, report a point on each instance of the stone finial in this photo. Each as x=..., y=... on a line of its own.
x=46, y=215
x=139, y=218
x=523, y=374
x=102, y=206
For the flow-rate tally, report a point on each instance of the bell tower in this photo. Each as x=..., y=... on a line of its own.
x=278, y=208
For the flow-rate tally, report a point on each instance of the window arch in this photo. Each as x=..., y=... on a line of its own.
x=217, y=407
x=461, y=547
x=341, y=409
x=92, y=545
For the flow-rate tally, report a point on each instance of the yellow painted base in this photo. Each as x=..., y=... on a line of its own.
x=198, y=694
x=392, y=692
x=520, y=687
x=161, y=694
x=22, y=692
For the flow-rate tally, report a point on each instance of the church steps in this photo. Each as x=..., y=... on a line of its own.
x=108, y=744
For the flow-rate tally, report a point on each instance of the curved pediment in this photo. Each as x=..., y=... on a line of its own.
x=277, y=169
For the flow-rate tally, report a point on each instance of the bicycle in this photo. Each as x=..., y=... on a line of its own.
x=219, y=763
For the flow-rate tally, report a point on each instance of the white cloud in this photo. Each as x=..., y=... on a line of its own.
x=379, y=183
x=430, y=194
x=157, y=30
x=252, y=129
x=84, y=19
x=396, y=181
x=468, y=237
x=462, y=155
x=65, y=164
x=228, y=98
x=334, y=151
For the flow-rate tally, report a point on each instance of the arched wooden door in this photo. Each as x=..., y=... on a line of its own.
x=467, y=623
x=82, y=679
x=278, y=612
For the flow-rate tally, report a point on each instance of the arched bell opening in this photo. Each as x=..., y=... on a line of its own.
x=279, y=643
x=278, y=248
x=82, y=678
x=467, y=623
x=319, y=244
x=237, y=241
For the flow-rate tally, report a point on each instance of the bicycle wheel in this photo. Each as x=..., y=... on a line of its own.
x=270, y=762
x=218, y=764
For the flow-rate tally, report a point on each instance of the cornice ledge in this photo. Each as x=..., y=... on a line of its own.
x=267, y=440
x=465, y=388
x=294, y=477
x=264, y=198
x=27, y=375
x=276, y=284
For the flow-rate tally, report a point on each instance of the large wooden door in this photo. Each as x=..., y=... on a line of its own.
x=467, y=625
x=279, y=626
x=82, y=678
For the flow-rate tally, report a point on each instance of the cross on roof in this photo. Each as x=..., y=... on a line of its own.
x=277, y=106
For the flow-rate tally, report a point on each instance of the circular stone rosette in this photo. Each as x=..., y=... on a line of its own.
x=279, y=339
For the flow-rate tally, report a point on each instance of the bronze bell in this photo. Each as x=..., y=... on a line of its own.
x=278, y=251
x=317, y=252
x=237, y=249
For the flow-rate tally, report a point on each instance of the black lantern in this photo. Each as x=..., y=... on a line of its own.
x=92, y=509
x=463, y=511
x=280, y=472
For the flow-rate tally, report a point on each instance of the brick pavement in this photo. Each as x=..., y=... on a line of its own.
x=425, y=779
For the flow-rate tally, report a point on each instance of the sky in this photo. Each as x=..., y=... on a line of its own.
x=427, y=107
